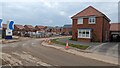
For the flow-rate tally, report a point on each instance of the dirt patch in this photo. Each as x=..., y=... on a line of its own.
x=9, y=41
x=30, y=59
x=9, y=60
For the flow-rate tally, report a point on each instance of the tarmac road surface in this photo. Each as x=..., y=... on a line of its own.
x=32, y=53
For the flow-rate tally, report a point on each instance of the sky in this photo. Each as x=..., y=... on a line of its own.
x=51, y=13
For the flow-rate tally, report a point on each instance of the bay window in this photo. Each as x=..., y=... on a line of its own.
x=84, y=33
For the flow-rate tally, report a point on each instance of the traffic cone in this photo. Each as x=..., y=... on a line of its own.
x=66, y=45
x=50, y=42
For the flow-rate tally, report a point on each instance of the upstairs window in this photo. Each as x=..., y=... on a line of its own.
x=92, y=20
x=80, y=20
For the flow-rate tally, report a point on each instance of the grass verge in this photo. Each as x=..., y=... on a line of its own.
x=72, y=45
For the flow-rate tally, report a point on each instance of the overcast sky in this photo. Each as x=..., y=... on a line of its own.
x=52, y=13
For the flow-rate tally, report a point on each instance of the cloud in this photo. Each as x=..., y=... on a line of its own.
x=52, y=13
x=0, y=10
x=60, y=0
x=50, y=4
x=62, y=13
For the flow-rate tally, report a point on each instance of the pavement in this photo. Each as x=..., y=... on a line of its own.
x=15, y=39
x=108, y=49
x=76, y=42
x=31, y=52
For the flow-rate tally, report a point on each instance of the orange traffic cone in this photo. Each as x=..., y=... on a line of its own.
x=66, y=45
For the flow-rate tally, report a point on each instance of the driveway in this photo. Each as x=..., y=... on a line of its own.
x=110, y=49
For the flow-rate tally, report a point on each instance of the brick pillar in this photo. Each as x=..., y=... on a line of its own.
x=74, y=29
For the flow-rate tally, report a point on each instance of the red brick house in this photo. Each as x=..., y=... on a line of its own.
x=19, y=30
x=90, y=25
x=40, y=28
x=54, y=30
x=115, y=32
x=67, y=29
x=57, y=30
x=49, y=29
x=29, y=30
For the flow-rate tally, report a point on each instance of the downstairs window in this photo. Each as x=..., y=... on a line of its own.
x=84, y=33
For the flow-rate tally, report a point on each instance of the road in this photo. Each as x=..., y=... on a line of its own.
x=31, y=53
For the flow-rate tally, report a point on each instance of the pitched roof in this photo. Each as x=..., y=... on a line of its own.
x=40, y=27
x=19, y=26
x=89, y=11
x=57, y=27
x=67, y=26
x=115, y=27
x=50, y=27
x=29, y=26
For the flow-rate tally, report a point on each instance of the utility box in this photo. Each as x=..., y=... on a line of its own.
x=8, y=34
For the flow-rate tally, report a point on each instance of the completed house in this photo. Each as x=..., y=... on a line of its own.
x=40, y=28
x=57, y=30
x=29, y=30
x=90, y=25
x=49, y=29
x=19, y=30
x=67, y=29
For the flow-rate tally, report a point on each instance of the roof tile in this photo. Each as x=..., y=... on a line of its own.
x=89, y=11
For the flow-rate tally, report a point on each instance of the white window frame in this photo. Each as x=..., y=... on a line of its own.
x=84, y=35
x=92, y=18
x=80, y=20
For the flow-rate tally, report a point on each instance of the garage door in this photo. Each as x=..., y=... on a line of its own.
x=115, y=38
